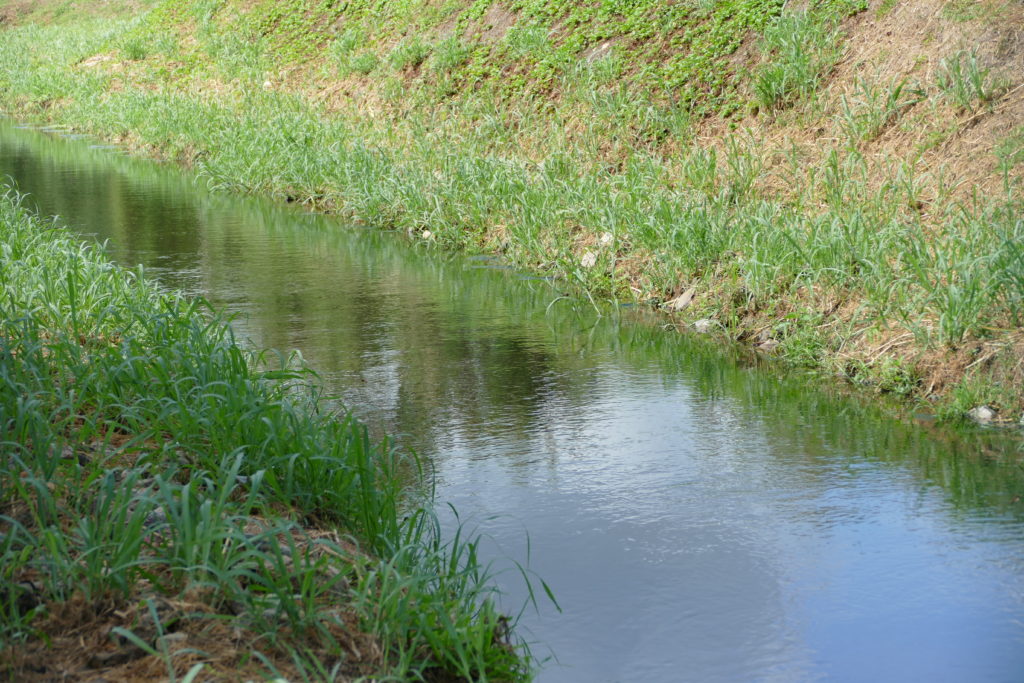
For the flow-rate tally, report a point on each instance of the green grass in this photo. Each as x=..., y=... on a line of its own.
x=874, y=107
x=804, y=45
x=529, y=145
x=145, y=456
x=965, y=82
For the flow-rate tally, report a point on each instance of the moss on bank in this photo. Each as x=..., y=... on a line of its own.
x=172, y=504
x=838, y=185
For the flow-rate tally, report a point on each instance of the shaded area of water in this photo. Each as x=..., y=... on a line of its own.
x=697, y=518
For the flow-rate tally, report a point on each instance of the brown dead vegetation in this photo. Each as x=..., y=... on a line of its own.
x=80, y=640
x=83, y=639
x=905, y=44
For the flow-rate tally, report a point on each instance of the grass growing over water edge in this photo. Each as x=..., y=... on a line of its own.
x=547, y=141
x=166, y=508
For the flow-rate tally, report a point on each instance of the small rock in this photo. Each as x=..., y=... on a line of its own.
x=426, y=234
x=703, y=326
x=981, y=414
x=169, y=640
x=69, y=453
x=606, y=238
x=589, y=260
x=156, y=518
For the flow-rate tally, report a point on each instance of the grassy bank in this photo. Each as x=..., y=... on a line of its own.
x=837, y=185
x=174, y=507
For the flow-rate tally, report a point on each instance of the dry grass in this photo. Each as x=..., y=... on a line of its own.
x=77, y=639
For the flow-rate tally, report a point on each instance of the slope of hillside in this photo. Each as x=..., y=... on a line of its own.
x=836, y=183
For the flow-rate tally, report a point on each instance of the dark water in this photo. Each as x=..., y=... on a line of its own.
x=698, y=518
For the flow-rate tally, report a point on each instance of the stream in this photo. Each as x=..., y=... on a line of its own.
x=698, y=516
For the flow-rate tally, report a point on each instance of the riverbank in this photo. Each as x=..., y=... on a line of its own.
x=176, y=507
x=839, y=188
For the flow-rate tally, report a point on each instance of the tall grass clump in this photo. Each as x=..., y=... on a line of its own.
x=873, y=107
x=526, y=40
x=162, y=483
x=409, y=54
x=802, y=47
x=965, y=82
x=348, y=53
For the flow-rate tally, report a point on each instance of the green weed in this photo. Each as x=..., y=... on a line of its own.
x=1010, y=155
x=134, y=50
x=523, y=41
x=873, y=108
x=363, y=63
x=449, y=54
x=409, y=53
x=216, y=464
x=803, y=46
x=965, y=82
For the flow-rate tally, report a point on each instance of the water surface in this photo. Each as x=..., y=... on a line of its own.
x=698, y=518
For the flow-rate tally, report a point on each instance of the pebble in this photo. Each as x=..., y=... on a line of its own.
x=156, y=517
x=703, y=326
x=981, y=414
x=165, y=642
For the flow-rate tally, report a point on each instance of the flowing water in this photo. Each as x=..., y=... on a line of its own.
x=697, y=517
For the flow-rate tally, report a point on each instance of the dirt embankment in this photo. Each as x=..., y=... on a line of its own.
x=851, y=119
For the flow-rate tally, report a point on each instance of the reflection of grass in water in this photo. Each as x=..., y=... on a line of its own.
x=431, y=300
x=147, y=462
x=883, y=249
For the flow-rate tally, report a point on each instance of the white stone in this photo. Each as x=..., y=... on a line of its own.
x=981, y=414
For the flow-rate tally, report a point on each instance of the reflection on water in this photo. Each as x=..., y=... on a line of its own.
x=696, y=518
